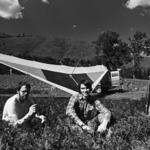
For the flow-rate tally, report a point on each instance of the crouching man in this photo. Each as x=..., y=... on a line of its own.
x=86, y=112
x=19, y=109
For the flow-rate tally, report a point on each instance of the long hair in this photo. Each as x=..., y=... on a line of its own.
x=23, y=83
x=87, y=83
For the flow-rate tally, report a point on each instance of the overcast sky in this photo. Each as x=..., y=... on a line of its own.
x=81, y=19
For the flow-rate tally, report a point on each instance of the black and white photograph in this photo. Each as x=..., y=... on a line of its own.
x=75, y=74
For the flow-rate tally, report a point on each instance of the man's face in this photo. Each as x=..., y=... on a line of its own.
x=23, y=93
x=84, y=90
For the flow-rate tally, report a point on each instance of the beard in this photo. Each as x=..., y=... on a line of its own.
x=23, y=98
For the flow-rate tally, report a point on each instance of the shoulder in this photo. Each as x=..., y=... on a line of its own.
x=12, y=100
x=77, y=96
x=74, y=99
x=11, y=103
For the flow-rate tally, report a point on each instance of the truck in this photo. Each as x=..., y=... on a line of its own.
x=111, y=80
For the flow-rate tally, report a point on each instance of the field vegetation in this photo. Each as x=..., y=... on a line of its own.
x=131, y=130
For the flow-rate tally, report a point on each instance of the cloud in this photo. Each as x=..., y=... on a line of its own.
x=10, y=9
x=74, y=25
x=45, y=1
x=131, y=4
x=13, y=9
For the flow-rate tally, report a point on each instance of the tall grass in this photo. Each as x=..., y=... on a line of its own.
x=131, y=129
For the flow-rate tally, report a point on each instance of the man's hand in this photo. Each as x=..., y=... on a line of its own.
x=87, y=128
x=43, y=118
x=32, y=109
x=101, y=128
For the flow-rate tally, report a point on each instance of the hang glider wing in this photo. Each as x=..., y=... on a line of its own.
x=60, y=76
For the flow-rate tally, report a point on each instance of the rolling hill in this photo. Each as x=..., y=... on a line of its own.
x=44, y=47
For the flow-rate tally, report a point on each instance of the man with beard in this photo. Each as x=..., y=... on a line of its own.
x=87, y=112
x=19, y=108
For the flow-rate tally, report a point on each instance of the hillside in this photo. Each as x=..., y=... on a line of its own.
x=50, y=49
x=46, y=47
x=19, y=45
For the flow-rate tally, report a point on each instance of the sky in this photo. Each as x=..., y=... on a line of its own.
x=79, y=19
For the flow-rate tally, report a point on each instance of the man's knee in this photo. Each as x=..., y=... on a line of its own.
x=112, y=121
x=104, y=118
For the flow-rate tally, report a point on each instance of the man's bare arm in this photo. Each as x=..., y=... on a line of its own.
x=29, y=115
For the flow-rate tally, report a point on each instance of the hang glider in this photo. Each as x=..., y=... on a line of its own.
x=63, y=77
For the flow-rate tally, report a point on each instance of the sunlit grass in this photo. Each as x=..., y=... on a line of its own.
x=130, y=131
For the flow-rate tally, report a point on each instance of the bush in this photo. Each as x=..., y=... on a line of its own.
x=130, y=131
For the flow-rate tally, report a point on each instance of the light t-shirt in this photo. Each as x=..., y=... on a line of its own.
x=15, y=110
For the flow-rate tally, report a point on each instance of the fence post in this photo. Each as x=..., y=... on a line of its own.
x=148, y=97
x=10, y=71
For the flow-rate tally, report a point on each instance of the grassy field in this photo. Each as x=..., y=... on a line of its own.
x=8, y=84
x=131, y=130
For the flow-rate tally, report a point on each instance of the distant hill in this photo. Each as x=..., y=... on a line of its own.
x=19, y=45
x=4, y=35
x=44, y=47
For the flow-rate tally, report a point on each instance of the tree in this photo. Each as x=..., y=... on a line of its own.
x=111, y=51
x=147, y=47
x=137, y=44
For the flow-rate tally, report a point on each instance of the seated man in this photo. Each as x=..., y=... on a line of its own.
x=19, y=109
x=86, y=111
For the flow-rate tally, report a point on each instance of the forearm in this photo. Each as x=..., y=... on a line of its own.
x=104, y=123
x=107, y=116
x=39, y=116
x=78, y=121
x=71, y=113
x=24, y=119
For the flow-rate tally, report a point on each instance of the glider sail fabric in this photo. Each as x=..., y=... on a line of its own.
x=65, y=78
